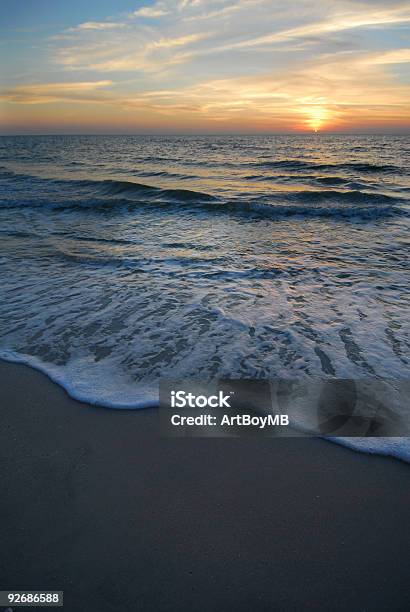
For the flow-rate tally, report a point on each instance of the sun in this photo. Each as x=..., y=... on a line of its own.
x=317, y=116
x=316, y=113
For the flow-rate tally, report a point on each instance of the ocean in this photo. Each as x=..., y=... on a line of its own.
x=125, y=259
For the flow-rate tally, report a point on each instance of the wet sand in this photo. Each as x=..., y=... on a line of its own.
x=94, y=502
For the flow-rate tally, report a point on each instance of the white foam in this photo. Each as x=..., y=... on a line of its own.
x=137, y=396
x=398, y=447
x=105, y=388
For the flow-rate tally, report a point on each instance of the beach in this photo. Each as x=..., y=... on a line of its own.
x=97, y=504
x=205, y=306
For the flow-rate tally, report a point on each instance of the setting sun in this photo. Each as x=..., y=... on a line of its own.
x=317, y=117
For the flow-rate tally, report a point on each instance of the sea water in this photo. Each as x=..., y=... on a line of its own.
x=129, y=258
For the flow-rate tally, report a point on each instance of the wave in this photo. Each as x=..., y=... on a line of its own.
x=117, y=195
x=296, y=164
x=132, y=397
x=325, y=203
x=257, y=208
x=311, y=203
x=331, y=181
x=146, y=396
x=355, y=196
x=165, y=174
x=342, y=212
x=128, y=188
x=114, y=187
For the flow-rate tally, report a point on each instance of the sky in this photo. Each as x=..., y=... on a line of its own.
x=204, y=66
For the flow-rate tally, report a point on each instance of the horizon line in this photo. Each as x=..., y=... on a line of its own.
x=105, y=134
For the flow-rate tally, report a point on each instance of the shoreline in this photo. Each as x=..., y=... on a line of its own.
x=100, y=506
x=361, y=445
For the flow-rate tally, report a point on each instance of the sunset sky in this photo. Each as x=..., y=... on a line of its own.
x=194, y=66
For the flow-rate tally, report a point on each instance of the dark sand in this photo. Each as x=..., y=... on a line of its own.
x=95, y=503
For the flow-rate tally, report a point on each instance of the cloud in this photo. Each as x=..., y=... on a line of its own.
x=179, y=41
x=146, y=54
x=336, y=23
x=97, y=25
x=45, y=93
x=396, y=56
x=152, y=12
x=335, y=92
x=99, y=46
x=222, y=12
x=235, y=62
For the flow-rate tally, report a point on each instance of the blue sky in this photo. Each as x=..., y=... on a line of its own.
x=57, y=13
x=204, y=65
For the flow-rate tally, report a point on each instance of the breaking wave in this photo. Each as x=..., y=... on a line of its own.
x=297, y=164
x=112, y=194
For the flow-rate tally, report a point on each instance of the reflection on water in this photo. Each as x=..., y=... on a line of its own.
x=127, y=259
